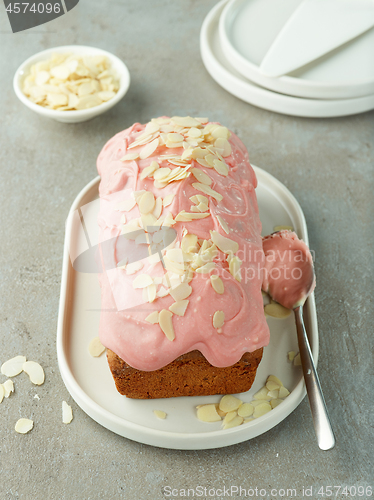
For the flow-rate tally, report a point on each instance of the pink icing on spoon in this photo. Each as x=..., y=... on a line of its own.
x=288, y=271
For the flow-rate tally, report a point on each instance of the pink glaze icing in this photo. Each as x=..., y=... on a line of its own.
x=288, y=271
x=144, y=346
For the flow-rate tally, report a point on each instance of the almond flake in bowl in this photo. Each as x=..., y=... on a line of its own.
x=71, y=83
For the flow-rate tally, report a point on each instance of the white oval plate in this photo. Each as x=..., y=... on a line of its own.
x=231, y=80
x=89, y=380
x=247, y=29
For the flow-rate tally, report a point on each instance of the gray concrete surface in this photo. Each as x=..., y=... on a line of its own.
x=326, y=163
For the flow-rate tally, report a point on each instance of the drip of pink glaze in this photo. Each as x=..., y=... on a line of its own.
x=124, y=330
x=288, y=272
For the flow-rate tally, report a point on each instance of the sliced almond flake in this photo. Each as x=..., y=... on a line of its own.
x=261, y=410
x=148, y=220
x=152, y=318
x=34, y=371
x=148, y=171
x=140, y=141
x=160, y=414
x=202, y=120
x=276, y=310
x=179, y=163
x=96, y=348
x=275, y=379
x=273, y=394
x=150, y=293
x=142, y=239
x=246, y=410
x=234, y=268
x=2, y=393
x=125, y=205
x=188, y=216
x=161, y=173
x=262, y=394
x=194, y=132
x=181, y=292
x=174, y=137
x=210, y=159
x=218, y=319
x=179, y=308
x=174, y=267
x=223, y=224
x=229, y=403
x=207, y=190
x=291, y=355
x=152, y=127
x=106, y=95
x=169, y=221
x=224, y=145
x=162, y=292
x=23, y=425
x=220, y=167
x=201, y=176
x=235, y=422
x=161, y=121
x=173, y=145
x=208, y=413
x=182, y=175
x=168, y=199
x=158, y=207
x=271, y=385
x=217, y=284
x=159, y=185
x=226, y=245
x=8, y=387
x=297, y=360
x=138, y=194
x=281, y=228
x=148, y=149
x=147, y=203
x=130, y=157
x=174, y=173
x=203, y=162
x=229, y=416
x=187, y=154
x=275, y=402
x=166, y=324
x=283, y=392
x=185, y=121
x=198, y=153
x=13, y=366
x=189, y=243
x=142, y=281
x=221, y=132
x=67, y=413
x=134, y=267
x=206, y=268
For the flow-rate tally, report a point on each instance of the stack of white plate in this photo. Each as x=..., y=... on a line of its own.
x=237, y=34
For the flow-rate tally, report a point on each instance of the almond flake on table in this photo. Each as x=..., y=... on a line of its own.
x=67, y=413
x=2, y=393
x=13, y=366
x=34, y=371
x=8, y=386
x=23, y=425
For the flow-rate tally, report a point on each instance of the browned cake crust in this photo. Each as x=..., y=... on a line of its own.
x=189, y=375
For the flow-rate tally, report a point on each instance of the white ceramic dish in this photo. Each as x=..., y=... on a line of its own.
x=232, y=81
x=89, y=380
x=73, y=116
x=247, y=31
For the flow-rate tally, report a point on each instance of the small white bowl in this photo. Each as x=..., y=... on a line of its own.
x=73, y=116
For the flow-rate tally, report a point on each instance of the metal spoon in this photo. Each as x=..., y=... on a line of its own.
x=294, y=296
x=321, y=420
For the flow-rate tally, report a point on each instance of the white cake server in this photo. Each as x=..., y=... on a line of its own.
x=315, y=28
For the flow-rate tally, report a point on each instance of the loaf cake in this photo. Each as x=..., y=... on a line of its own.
x=188, y=318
